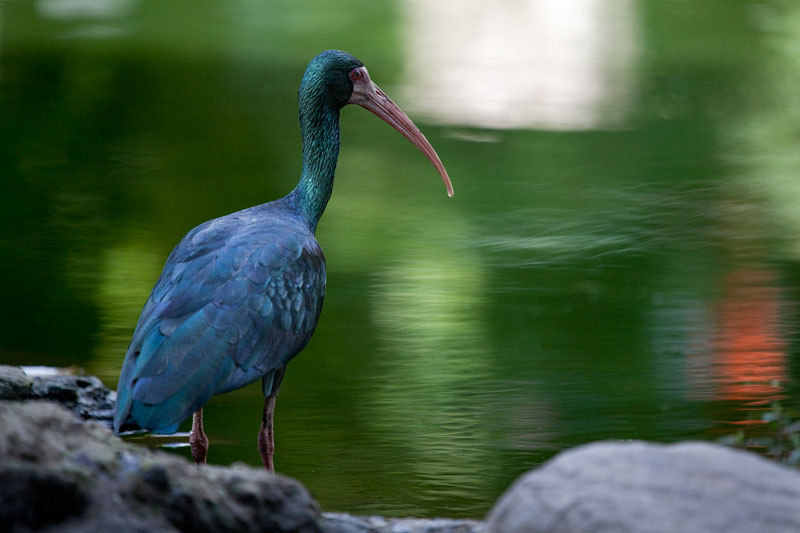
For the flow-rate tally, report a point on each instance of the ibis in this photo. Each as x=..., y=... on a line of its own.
x=240, y=295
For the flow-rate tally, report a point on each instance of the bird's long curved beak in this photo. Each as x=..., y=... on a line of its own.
x=369, y=96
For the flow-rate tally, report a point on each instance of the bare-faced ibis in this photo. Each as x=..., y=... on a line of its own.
x=240, y=295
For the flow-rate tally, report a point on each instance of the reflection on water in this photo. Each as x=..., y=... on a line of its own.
x=126, y=273
x=604, y=224
x=748, y=350
x=521, y=64
x=584, y=284
x=743, y=359
x=434, y=359
x=84, y=9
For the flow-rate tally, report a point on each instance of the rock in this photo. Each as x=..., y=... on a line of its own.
x=14, y=383
x=344, y=523
x=61, y=473
x=86, y=396
x=26, y=493
x=643, y=487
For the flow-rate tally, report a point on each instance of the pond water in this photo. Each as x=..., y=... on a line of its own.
x=621, y=259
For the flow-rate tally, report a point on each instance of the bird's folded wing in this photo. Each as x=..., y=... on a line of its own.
x=223, y=313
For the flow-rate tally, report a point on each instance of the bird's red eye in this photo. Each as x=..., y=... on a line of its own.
x=356, y=74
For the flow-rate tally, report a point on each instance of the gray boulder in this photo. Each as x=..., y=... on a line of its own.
x=59, y=473
x=643, y=487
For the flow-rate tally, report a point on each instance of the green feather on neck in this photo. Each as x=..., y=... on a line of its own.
x=320, y=153
x=325, y=89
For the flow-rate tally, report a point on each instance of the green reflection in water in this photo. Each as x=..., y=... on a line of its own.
x=433, y=362
x=126, y=273
x=761, y=141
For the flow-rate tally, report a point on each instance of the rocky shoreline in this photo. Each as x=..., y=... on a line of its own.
x=62, y=469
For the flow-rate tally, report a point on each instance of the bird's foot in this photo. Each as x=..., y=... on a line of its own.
x=198, y=441
x=199, y=446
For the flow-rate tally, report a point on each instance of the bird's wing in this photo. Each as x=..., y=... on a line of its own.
x=230, y=306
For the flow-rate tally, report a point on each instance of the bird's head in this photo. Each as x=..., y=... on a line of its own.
x=327, y=77
x=340, y=79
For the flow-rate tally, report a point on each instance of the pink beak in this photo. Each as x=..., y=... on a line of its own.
x=371, y=97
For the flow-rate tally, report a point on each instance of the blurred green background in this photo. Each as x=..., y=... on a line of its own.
x=620, y=260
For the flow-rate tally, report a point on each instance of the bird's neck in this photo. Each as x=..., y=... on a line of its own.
x=320, y=127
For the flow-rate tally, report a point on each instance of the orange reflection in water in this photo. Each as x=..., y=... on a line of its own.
x=747, y=352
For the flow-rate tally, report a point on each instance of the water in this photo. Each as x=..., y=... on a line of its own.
x=622, y=264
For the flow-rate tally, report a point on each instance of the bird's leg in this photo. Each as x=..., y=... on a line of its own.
x=198, y=440
x=266, y=439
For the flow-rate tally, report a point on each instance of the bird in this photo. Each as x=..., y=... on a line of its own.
x=241, y=295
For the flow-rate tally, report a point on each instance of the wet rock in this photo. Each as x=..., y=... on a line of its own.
x=59, y=472
x=14, y=383
x=644, y=487
x=86, y=396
